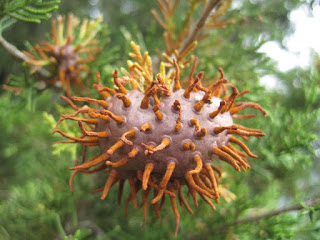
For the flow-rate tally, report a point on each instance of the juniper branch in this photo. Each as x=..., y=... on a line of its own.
x=29, y=11
x=17, y=54
x=197, y=29
x=225, y=227
x=12, y=50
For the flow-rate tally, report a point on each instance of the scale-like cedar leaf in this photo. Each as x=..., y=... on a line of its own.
x=28, y=10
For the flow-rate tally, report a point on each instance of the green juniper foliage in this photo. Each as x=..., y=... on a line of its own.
x=35, y=200
x=28, y=10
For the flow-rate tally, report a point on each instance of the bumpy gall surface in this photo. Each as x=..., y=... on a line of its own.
x=161, y=139
x=135, y=117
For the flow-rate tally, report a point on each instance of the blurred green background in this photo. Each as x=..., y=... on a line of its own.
x=35, y=201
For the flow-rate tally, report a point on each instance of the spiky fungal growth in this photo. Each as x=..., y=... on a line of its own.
x=72, y=46
x=162, y=139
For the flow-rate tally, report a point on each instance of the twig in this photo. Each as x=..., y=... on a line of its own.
x=225, y=227
x=195, y=32
x=12, y=50
x=16, y=53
